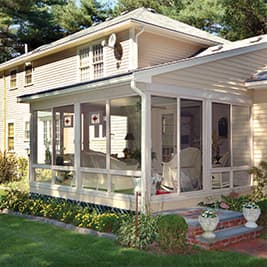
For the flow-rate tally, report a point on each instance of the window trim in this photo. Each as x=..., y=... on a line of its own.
x=16, y=79
x=7, y=136
x=25, y=74
x=91, y=62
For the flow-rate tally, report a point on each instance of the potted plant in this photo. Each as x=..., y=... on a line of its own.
x=208, y=220
x=251, y=212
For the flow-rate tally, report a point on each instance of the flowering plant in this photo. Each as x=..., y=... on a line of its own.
x=208, y=213
x=251, y=205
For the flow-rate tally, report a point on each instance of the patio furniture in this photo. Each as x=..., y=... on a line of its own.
x=190, y=177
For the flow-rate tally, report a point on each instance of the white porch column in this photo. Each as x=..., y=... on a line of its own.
x=77, y=144
x=146, y=152
x=207, y=144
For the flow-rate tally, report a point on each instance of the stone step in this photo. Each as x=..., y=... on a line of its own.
x=226, y=236
x=227, y=218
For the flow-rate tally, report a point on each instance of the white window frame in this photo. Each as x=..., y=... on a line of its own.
x=27, y=131
x=7, y=136
x=231, y=169
x=91, y=63
x=11, y=80
x=26, y=75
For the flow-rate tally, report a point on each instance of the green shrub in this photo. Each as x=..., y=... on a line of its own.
x=234, y=202
x=259, y=181
x=61, y=210
x=106, y=222
x=147, y=231
x=263, y=217
x=172, y=232
x=8, y=167
x=22, y=167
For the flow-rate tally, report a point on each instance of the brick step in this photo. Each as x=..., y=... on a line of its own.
x=226, y=236
x=228, y=219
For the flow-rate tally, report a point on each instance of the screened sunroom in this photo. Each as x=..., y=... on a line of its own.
x=103, y=142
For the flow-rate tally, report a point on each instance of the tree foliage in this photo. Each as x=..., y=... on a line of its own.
x=73, y=18
x=244, y=18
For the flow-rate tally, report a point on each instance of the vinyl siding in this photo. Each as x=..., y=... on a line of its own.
x=155, y=49
x=112, y=65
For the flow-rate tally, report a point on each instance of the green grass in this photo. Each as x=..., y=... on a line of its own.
x=27, y=243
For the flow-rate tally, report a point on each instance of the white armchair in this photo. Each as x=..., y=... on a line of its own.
x=190, y=161
x=93, y=159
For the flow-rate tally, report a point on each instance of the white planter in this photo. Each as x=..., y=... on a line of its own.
x=251, y=215
x=208, y=225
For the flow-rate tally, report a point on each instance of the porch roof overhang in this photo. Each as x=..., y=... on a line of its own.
x=72, y=89
x=245, y=52
x=256, y=84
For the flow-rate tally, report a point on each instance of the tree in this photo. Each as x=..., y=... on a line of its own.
x=30, y=22
x=244, y=18
x=73, y=18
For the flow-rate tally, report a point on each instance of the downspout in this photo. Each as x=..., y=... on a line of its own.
x=4, y=111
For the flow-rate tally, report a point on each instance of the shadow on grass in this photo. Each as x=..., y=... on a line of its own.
x=27, y=243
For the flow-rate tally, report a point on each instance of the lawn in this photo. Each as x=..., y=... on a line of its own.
x=27, y=243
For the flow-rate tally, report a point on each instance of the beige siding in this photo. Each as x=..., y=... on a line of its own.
x=112, y=65
x=155, y=49
x=260, y=130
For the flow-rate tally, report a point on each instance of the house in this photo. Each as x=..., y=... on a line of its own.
x=140, y=102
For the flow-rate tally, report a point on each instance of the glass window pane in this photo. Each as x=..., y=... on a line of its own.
x=10, y=136
x=125, y=137
x=64, y=135
x=43, y=135
x=164, y=141
x=65, y=178
x=93, y=135
x=125, y=184
x=242, y=178
x=94, y=181
x=241, y=135
x=42, y=175
x=220, y=180
x=191, y=145
x=221, y=136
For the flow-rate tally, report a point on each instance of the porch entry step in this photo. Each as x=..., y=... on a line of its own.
x=226, y=237
x=230, y=228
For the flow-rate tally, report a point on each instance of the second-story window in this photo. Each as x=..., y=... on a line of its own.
x=13, y=79
x=85, y=64
x=28, y=74
x=98, y=61
x=91, y=62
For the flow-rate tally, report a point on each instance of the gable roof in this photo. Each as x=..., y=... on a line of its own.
x=141, y=16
